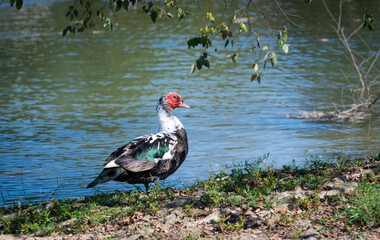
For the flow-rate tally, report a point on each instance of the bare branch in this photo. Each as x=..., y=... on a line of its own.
x=355, y=32
x=286, y=14
x=373, y=63
x=373, y=102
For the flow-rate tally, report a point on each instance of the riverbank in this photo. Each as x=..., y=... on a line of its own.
x=323, y=199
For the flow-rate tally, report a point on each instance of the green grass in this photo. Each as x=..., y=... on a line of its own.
x=365, y=209
x=88, y=212
x=245, y=185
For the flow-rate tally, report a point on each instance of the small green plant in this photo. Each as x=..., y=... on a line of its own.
x=192, y=237
x=227, y=226
x=366, y=206
x=286, y=219
x=307, y=202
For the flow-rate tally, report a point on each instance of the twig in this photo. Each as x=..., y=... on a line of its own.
x=373, y=63
x=286, y=15
x=373, y=102
x=354, y=108
x=283, y=102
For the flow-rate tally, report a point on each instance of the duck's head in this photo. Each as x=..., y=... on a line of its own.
x=173, y=101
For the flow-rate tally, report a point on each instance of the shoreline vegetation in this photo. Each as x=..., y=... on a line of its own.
x=324, y=199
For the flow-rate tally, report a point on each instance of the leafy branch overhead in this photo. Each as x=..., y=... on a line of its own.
x=81, y=16
x=224, y=30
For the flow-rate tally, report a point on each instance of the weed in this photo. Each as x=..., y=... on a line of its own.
x=286, y=219
x=227, y=226
x=366, y=206
x=192, y=237
x=307, y=202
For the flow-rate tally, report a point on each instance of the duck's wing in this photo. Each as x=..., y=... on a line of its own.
x=143, y=153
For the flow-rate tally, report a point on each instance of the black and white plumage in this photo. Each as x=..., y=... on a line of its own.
x=151, y=157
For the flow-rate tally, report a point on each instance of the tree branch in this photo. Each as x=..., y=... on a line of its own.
x=286, y=15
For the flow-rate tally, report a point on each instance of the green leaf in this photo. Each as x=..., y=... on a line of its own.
x=19, y=4
x=255, y=67
x=234, y=57
x=126, y=5
x=279, y=35
x=275, y=60
x=279, y=43
x=365, y=24
x=258, y=78
x=235, y=17
x=243, y=27
x=108, y=21
x=253, y=77
x=285, y=37
x=227, y=42
x=370, y=27
x=12, y=2
x=273, y=56
x=180, y=14
x=153, y=16
x=206, y=63
x=265, y=48
x=192, y=70
x=265, y=57
x=200, y=62
x=285, y=48
x=210, y=17
x=170, y=4
x=224, y=33
x=271, y=61
x=64, y=32
x=119, y=4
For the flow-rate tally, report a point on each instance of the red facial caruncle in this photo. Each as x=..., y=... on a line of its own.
x=175, y=101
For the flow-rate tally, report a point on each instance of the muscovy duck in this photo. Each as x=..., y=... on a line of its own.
x=151, y=157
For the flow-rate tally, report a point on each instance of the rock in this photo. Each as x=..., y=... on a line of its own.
x=310, y=234
x=248, y=236
x=173, y=217
x=178, y=202
x=303, y=224
x=338, y=188
x=214, y=216
x=265, y=213
x=7, y=237
x=358, y=176
x=141, y=234
x=67, y=222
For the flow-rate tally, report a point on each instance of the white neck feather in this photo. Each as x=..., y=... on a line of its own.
x=168, y=122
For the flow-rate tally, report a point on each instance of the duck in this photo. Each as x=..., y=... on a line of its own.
x=150, y=157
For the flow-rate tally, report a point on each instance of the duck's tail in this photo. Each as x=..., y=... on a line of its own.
x=106, y=175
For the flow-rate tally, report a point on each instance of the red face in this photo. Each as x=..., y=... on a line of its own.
x=175, y=101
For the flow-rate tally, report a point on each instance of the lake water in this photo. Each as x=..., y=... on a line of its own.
x=67, y=103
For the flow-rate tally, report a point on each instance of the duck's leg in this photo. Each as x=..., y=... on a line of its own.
x=155, y=181
x=146, y=186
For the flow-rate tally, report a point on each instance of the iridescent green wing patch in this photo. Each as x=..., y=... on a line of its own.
x=153, y=148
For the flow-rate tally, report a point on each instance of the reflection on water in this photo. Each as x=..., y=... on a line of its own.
x=67, y=103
